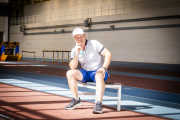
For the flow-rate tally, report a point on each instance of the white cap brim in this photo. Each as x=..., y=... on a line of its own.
x=77, y=31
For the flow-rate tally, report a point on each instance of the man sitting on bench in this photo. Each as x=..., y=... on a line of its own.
x=94, y=68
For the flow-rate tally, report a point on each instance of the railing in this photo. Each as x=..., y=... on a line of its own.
x=119, y=8
x=29, y=52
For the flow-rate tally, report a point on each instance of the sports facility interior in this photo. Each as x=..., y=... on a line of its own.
x=36, y=40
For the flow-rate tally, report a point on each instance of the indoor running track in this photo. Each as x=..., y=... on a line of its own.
x=15, y=84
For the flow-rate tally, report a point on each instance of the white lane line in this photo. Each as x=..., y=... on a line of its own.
x=6, y=117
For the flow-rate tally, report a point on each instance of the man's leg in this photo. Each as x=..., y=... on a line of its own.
x=100, y=86
x=73, y=76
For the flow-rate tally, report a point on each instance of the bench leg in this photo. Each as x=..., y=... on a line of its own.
x=119, y=100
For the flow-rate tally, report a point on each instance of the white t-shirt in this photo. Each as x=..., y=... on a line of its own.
x=90, y=58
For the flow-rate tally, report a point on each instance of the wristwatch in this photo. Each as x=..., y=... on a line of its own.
x=104, y=68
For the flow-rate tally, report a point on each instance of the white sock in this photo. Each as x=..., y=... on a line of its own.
x=76, y=98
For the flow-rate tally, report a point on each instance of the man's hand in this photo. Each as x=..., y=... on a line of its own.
x=78, y=48
x=101, y=70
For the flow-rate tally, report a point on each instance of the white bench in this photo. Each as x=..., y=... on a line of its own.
x=107, y=85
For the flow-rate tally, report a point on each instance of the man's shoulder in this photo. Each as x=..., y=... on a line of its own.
x=92, y=41
x=95, y=42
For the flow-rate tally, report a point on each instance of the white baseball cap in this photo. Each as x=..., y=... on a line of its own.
x=77, y=31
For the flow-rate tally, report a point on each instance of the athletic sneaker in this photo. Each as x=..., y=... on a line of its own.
x=74, y=104
x=98, y=109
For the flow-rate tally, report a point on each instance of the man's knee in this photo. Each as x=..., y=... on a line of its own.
x=70, y=73
x=99, y=77
x=74, y=74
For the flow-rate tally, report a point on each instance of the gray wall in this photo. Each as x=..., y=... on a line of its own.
x=64, y=5
x=158, y=45
x=4, y=24
x=4, y=27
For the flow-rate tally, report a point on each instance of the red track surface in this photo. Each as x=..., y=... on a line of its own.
x=20, y=104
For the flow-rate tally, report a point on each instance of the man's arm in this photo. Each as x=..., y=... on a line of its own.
x=106, y=53
x=74, y=62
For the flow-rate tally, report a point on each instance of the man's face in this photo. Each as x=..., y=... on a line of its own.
x=80, y=39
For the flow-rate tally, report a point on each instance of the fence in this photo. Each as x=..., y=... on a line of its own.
x=118, y=8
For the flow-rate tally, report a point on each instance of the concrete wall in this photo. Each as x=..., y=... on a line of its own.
x=64, y=5
x=160, y=45
x=4, y=24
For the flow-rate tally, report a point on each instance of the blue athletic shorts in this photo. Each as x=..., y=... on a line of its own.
x=89, y=76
